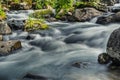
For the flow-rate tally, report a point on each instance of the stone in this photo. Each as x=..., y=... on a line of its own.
x=109, y=2
x=8, y=46
x=4, y=29
x=86, y=14
x=1, y=37
x=33, y=76
x=105, y=19
x=80, y=64
x=104, y=58
x=112, y=18
x=113, y=46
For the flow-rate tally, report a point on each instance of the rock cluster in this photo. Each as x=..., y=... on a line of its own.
x=7, y=46
x=81, y=15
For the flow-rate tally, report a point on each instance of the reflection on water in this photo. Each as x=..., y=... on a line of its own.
x=51, y=53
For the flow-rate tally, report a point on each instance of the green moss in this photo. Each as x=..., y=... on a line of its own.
x=32, y=24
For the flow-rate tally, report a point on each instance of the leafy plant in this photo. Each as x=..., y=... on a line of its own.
x=35, y=24
x=63, y=4
x=40, y=13
x=2, y=13
x=41, y=4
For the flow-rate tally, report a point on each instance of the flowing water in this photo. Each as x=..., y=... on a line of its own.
x=52, y=52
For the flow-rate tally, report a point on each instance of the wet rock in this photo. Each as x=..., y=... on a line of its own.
x=1, y=37
x=80, y=64
x=104, y=58
x=4, y=28
x=85, y=14
x=33, y=76
x=109, y=2
x=113, y=18
x=8, y=46
x=113, y=46
x=81, y=15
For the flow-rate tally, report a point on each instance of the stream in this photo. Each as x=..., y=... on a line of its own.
x=51, y=53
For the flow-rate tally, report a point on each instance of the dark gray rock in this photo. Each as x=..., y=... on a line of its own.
x=113, y=46
x=113, y=18
x=35, y=77
x=104, y=58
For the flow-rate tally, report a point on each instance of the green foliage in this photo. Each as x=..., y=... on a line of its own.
x=16, y=1
x=2, y=14
x=40, y=13
x=63, y=4
x=35, y=24
x=41, y=4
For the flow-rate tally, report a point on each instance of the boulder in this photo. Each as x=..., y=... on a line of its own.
x=4, y=29
x=85, y=14
x=8, y=46
x=113, y=51
x=113, y=18
x=80, y=15
x=113, y=46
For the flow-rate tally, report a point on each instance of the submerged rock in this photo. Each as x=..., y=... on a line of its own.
x=8, y=46
x=4, y=28
x=33, y=76
x=80, y=64
x=1, y=37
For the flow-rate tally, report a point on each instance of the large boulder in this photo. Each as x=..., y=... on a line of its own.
x=4, y=28
x=8, y=46
x=81, y=15
x=113, y=18
x=86, y=14
x=113, y=46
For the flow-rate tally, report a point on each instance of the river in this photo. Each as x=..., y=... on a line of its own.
x=52, y=52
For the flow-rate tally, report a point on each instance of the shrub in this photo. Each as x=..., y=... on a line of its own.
x=35, y=24
x=41, y=13
x=2, y=14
